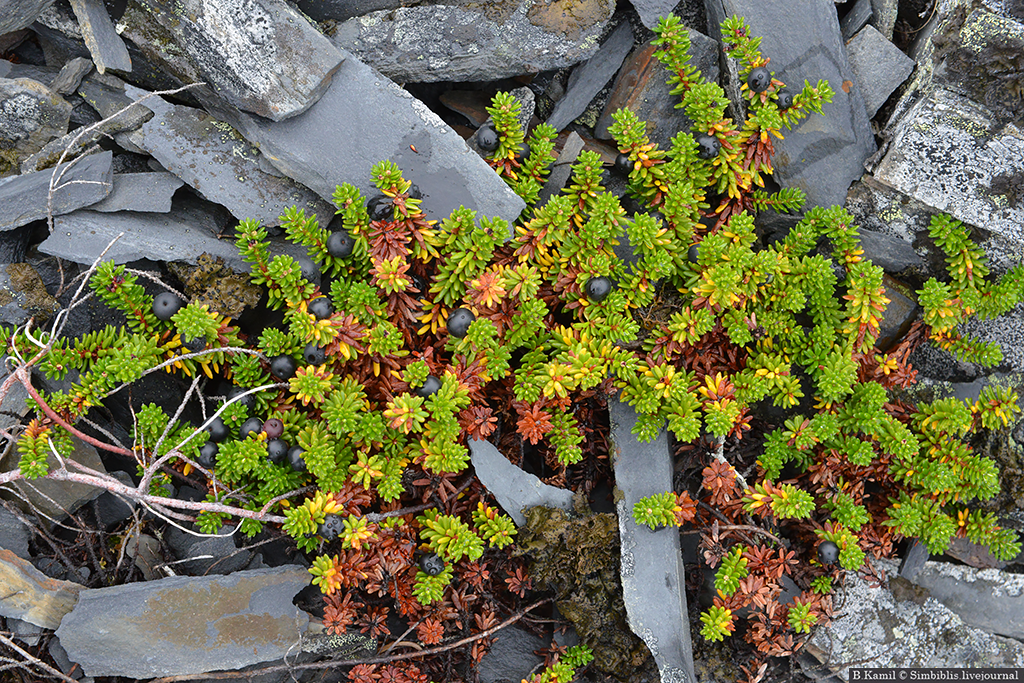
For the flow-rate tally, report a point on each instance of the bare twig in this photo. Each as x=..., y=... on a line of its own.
x=33, y=661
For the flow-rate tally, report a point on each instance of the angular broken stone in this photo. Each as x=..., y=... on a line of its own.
x=32, y=596
x=879, y=65
x=856, y=18
x=561, y=169
x=823, y=154
x=76, y=184
x=893, y=254
x=642, y=88
x=258, y=55
x=456, y=41
x=651, y=10
x=106, y=47
x=19, y=14
x=590, y=77
x=378, y=120
x=221, y=165
x=514, y=489
x=30, y=116
x=147, y=192
x=653, y=578
x=186, y=625
x=899, y=313
x=70, y=75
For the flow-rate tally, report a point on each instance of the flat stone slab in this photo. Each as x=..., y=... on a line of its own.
x=23, y=199
x=590, y=77
x=32, y=596
x=989, y=599
x=106, y=47
x=651, y=10
x=220, y=164
x=515, y=489
x=364, y=118
x=186, y=625
x=147, y=192
x=260, y=56
x=947, y=151
x=875, y=629
x=879, y=65
x=653, y=578
x=19, y=14
x=30, y=116
x=823, y=154
x=456, y=41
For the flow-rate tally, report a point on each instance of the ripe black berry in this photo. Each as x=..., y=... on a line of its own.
x=321, y=307
x=785, y=100
x=166, y=304
x=208, y=455
x=623, y=166
x=459, y=322
x=693, y=253
x=487, y=139
x=295, y=459
x=248, y=401
x=313, y=354
x=340, y=244
x=283, y=367
x=310, y=271
x=828, y=552
x=759, y=79
x=430, y=386
x=194, y=344
x=273, y=428
x=708, y=146
x=218, y=430
x=432, y=564
x=277, y=449
x=331, y=527
x=381, y=208
x=253, y=425
x=598, y=289
x=524, y=152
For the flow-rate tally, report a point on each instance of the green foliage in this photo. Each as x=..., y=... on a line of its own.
x=450, y=537
x=731, y=571
x=430, y=589
x=718, y=623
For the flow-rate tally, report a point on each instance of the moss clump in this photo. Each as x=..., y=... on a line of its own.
x=212, y=283
x=36, y=300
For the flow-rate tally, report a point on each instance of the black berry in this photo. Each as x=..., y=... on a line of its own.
x=218, y=430
x=759, y=79
x=253, y=425
x=194, y=344
x=828, y=552
x=273, y=428
x=487, y=139
x=523, y=153
x=331, y=527
x=310, y=271
x=340, y=244
x=432, y=564
x=208, y=455
x=623, y=166
x=381, y=208
x=693, y=253
x=598, y=289
x=313, y=354
x=166, y=304
x=459, y=322
x=785, y=101
x=321, y=307
x=296, y=460
x=283, y=367
x=248, y=401
x=708, y=146
x=277, y=449
x=419, y=284
x=430, y=386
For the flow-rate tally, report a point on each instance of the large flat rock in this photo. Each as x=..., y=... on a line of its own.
x=514, y=489
x=989, y=599
x=823, y=154
x=186, y=625
x=364, y=118
x=24, y=199
x=106, y=47
x=653, y=578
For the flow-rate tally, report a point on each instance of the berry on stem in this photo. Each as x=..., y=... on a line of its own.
x=340, y=244
x=165, y=305
x=277, y=450
x=218, y=430
x=459, y=322
x=598, y=289
x=208, y=455
x=296, y=460
x=429, y=386
x=313, y=354
x=273, y=428
x=828, y=552
x=708, y=146
x=623, y=165
x=283, y=367
x=487, y=139
x=759, y=79
x=432, y=564
x=253, y=425
x=321, y=307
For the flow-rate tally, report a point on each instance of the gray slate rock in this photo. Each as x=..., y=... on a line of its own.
x=107, y=49
x=511, y=657
x=590, y=77
x=70, y=75
x=339, y=10
x=147, y=192
x=14, y=534
x=77, y=184
x=19, y=14
x=824, y=154
x=653, y=578
x=1007, y=331
x=514, y=489
x=260, y=56
x=884, y=18
x=879, y=65
x=455, y=41
x=651, y=10
x=191, y=624
x=856, y=18
x=899, y=314
x=30, y=116
x=31, y=596
x=561, y=169
x=220, y=164
x=206, y=555
x=875, y=629
x=893, y=254
x=946, y=153
x=379, y=121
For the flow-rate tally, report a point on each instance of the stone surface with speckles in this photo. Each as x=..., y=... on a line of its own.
x=364, y=118
x=260, y=56
x=458, y=41
x=106, y=47
x=514, y=488
x=19, y=14
x=653, y=578
x=186, y=625
x=86, y=181
x=30, y=116
x=140, y=192
x=220, y=164
x=879, y=65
